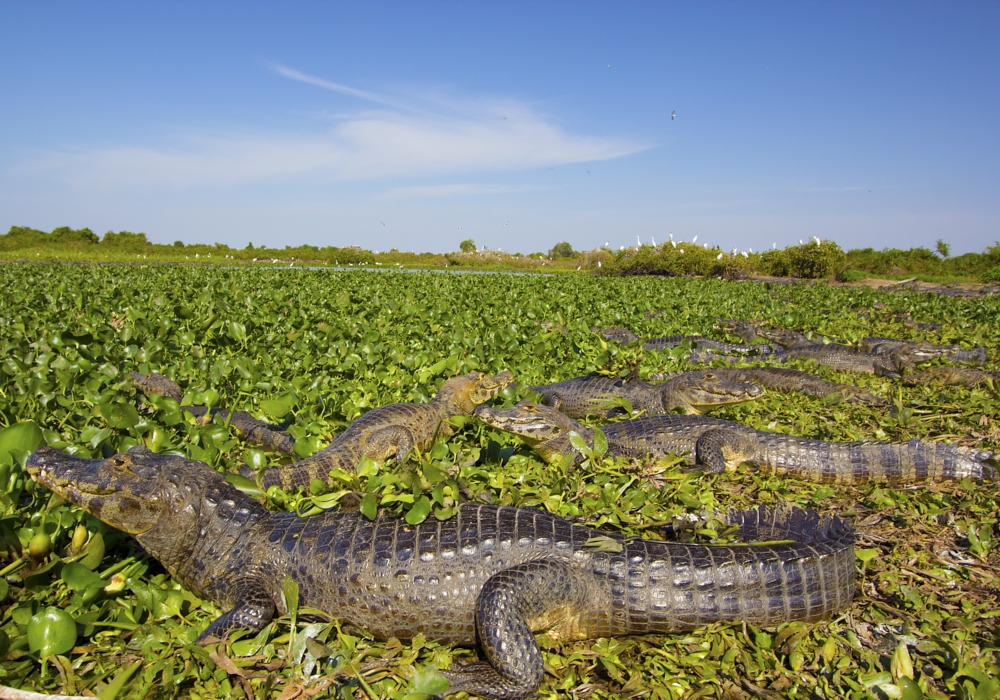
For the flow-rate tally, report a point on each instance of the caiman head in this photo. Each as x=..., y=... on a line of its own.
x=467, y=391
x=784, y=337
x=746, y=330
x=138, y=490
x=700, y=392
x=536, y=424
x=621, y=335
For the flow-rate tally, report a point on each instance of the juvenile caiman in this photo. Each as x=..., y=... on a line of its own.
x=248, y=427
x=387, y=431
x=625, y=336
x=718, y=444
x=952, y=376
x=490, y=575
x=837, y=357
x=392, y=430
x=913, y=350
x=594, y=395
x=696, y=391
x=782, y=380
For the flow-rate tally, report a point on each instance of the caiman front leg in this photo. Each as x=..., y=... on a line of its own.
x=254, y=608
x=392, y=440
x=722, y=448
x=513, y=604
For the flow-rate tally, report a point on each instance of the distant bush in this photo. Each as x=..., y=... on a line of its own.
x=852, y=275
x=467, y=246
x=125, y=240
x=23, y=237
x=562, y=250
x=814, y=261
x=992, y=275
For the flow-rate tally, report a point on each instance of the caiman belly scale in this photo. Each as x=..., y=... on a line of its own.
x=491, y=575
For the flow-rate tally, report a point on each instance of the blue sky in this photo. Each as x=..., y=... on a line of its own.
x=417, y=125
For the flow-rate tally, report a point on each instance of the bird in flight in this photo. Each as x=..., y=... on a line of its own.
x=673, y=114
x=382, y=222
x=505, y=117
x=609, y=65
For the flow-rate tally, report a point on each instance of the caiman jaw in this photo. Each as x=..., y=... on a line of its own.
x=107, y=489
x=530, y=421
x=488, y=387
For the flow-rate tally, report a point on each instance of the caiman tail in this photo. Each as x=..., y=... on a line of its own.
x=861, y=462
x=806, y=572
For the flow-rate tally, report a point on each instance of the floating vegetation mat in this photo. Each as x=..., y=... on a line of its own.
x=86, y=612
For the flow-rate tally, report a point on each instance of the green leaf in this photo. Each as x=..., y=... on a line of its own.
x=578, y=443
x=290, y=593
x=866, y=555
x=369, y=506
x=25, y=437
x=276, y=408
x=306, y=446
x=117, y=684
x=78, y=577
x=419, y=511
x=600, y=442
x=244, y=485
x=51, y=631
x=119, y=415
x=256, y=459
x=428, y=681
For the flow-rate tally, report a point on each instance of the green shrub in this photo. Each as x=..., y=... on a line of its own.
x=561, y=250
x=992, y=275
x=814, y=261
x=852, y=275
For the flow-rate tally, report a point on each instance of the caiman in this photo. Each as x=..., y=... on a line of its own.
x=594, y=395
x=836, y=357
x=625, y=336
x=388, y=431
x=392, y=430
x=718, y=445
x=914, y=351
x=952, y=376
x=695, y=392
x=492, y=576
x=248, y=427
x=783, y=380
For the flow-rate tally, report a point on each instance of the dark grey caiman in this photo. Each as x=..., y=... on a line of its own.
x=594, y=395
x=387, y=431
x=913, y=350
x=248, y=427
x=490, y=575
x=952, y=376
x=719, y=445
x=695, y=391
x=666, y=342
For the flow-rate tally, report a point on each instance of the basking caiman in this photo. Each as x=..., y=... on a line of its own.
x=914, y=351
x=718, y=444
x=392, y=430
x=248, y=427
x=387, y=431
x=952, y=376
x=781, y=379
x=490, y=575
x=625, y=336
x=594, y=395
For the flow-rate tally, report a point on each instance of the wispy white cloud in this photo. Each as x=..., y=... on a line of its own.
x=456, y=190
x=850, y=188
x=404, y=137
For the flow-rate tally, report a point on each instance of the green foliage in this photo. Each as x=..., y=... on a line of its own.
x=467, y=246
x=852, y=275
x=562, y=250
x=992, y=275
x=943, y=249
x=315, y=349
